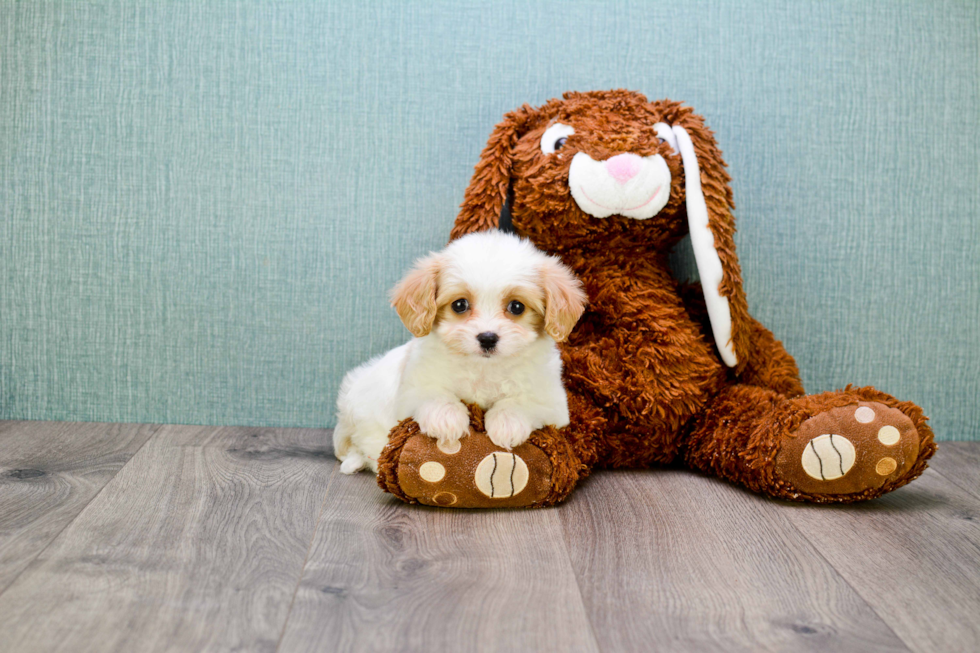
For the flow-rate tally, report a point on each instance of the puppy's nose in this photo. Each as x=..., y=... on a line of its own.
x=488, y=340
x=624, y=167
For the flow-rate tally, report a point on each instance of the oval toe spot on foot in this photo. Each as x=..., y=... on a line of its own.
x=828, y=457
x=888, y=436
x=450, y=447
x=445, y=498
x=432, y=472
x=864, y=415
x=886, y=466
x=501, y=475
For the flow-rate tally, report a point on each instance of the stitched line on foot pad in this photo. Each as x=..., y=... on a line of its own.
x=492, y=473
x=819, y=461
x=840, y=458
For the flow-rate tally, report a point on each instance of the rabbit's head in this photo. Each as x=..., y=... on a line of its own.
x=611, y=171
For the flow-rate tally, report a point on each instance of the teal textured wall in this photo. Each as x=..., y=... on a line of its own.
x=204, y=204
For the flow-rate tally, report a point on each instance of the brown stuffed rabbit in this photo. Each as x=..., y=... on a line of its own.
x=656, y=371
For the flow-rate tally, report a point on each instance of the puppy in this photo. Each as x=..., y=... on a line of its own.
x=486, y=313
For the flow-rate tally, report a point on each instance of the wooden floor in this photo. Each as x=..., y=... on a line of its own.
x=146, y=538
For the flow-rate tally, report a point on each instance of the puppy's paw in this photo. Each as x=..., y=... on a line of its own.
x=444, y=421
x=507, y=428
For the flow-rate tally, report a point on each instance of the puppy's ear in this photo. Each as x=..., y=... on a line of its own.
x=415, y=296
x=564, y=299
x=485, y=196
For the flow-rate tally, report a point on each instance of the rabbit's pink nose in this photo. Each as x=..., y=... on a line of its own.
x=624, y=167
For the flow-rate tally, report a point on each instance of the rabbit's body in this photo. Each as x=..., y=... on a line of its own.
x=657, y=371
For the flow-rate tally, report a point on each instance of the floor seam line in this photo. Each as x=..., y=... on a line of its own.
x=575, y=576
x=953, y=481
x=160, y=427
x=847, y=582
x=306, y=559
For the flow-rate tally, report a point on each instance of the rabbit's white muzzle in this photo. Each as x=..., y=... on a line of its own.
x=626, y=184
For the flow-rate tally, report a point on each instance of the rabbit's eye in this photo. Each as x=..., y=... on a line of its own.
x=666, y=134
x=555, y=136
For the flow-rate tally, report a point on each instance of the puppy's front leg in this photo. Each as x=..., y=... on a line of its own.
x=446, y=420
x=508, y=424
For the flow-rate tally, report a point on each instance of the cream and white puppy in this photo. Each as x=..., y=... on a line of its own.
x=486, y=313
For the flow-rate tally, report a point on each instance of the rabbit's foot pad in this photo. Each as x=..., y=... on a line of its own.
x=473, y=473
x=849, y=449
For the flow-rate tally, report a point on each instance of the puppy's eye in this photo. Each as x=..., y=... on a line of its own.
x=460, y=306
x=515, y=307
x=555, y=136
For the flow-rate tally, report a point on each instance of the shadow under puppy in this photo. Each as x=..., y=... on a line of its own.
x=486, y=313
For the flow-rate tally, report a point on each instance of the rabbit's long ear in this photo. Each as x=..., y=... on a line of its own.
x=485, y=197
x=712, y=226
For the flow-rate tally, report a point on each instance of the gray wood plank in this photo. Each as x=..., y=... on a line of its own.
x=386, y=576
x=49, y=471
x=196, y=544
x=913, y=555
x=959, y=463
x=668, y=560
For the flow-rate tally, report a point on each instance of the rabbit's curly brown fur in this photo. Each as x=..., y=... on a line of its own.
x=645, y=381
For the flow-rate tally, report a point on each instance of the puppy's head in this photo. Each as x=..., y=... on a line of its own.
x=489, y=295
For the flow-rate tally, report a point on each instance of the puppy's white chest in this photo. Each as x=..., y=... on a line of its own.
x=483, y=387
